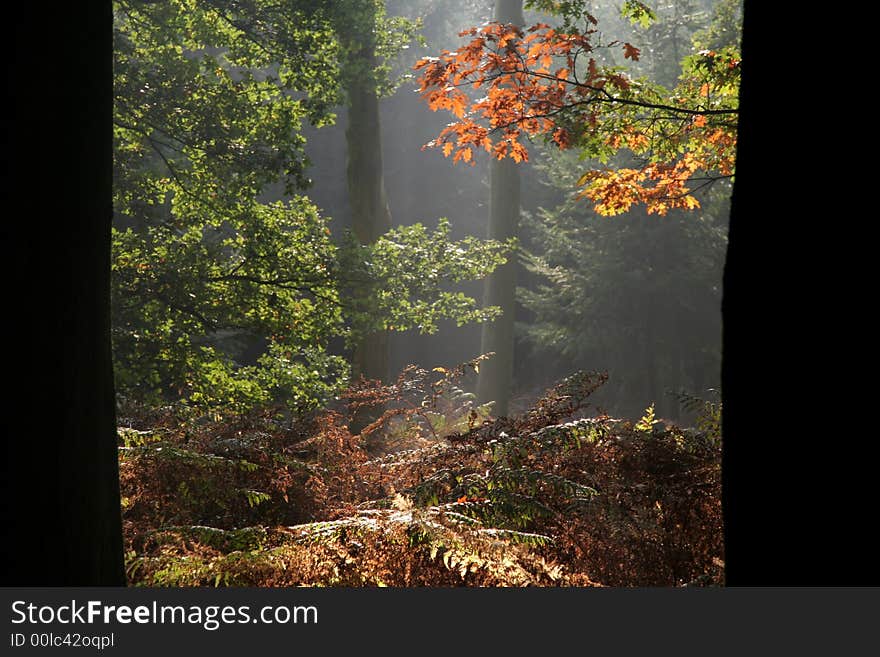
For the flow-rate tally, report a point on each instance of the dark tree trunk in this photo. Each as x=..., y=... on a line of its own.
x=744, y=343
x=62, y=506
x=369, y=206
x=370, y=214
x=799, y=477
x=496, y=375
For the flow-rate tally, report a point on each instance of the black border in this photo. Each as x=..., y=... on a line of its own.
x=799, y=494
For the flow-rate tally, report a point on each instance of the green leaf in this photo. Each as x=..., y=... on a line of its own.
x=638, y=13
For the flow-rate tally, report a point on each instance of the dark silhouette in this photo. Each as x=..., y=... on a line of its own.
x=62, y=514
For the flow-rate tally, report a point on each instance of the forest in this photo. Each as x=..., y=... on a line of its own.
x=410, y=293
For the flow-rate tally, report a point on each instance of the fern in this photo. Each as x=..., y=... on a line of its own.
x=526, y=538
x=255, y=497
x=537, y=499
x=708, y=413
x=226, y=540
x=507, y=494
x=647, y=422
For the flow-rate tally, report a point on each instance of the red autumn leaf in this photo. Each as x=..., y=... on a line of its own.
x=631, y=52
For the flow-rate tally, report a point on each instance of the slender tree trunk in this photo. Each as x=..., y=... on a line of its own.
x=62, y=512
x=369, y=207
x=370, y=214
x=496, y=375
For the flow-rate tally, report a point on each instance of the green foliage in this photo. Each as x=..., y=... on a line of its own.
x=668, y=38
x=506, y=491
x=638, y=13
x=184, y=304
x=222, y=299
x=511, y=493
x=192, y=89
x=724, y=29
x=708, y=413
x=407, y=272
x=203, y=270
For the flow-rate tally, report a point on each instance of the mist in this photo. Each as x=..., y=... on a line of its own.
x=654, y=318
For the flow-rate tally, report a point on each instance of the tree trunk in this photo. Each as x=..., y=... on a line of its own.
x=370, y=214
x=496, y=375
x=369, y=207
x=62, y=506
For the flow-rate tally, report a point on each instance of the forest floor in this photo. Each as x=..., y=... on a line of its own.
x=433, y=493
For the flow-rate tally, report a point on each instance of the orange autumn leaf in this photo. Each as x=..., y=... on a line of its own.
x=524, y=100
x=463, y=154
x=518, y=152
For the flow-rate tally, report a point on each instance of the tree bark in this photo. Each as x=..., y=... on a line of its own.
x=496, y=374
x=799, y=485
x=62, y=505
x=370, y=214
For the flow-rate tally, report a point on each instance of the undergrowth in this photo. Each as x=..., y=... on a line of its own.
x=434, y=492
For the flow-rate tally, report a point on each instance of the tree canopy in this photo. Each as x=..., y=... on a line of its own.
x=560, y=84
x=222, y=296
